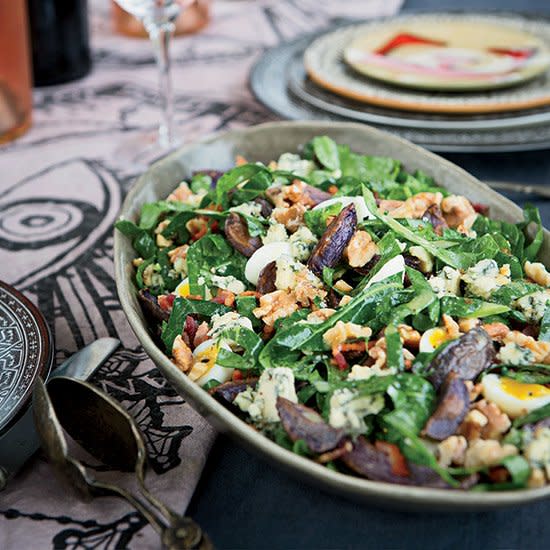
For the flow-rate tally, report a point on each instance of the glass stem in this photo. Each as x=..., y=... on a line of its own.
x=160, y=36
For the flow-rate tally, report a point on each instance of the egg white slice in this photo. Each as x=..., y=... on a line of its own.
x=513, y=397
x=208, y=352
x=363, y=213
x=392, y=267
x=264, y=255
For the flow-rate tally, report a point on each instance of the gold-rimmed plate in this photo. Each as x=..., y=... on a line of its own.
x=325, y=63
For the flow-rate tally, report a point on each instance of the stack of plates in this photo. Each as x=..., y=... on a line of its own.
x=26, y=353
x=494, y=99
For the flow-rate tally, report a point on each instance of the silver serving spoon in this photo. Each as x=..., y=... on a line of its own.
x=103, y=428
x=525, y=188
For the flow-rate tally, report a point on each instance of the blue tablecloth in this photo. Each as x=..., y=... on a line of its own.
x=243, y=502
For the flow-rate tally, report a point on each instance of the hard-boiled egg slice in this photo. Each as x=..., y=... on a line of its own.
x=361, y=209
x=513, y=397
x=264, y=255
x=432, y=339
x=392, y=267
x=183, y=290
x=204, y=363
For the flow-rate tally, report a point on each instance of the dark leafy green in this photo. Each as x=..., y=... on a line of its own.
x=181, y=309
x=244, y=338
x=469, y=308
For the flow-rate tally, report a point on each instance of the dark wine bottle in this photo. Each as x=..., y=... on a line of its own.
x=59, y=40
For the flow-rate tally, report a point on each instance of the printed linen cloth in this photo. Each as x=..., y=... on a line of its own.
x=61, y=189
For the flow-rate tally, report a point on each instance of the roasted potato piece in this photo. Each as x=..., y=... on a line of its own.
x=454, y=402
x=468, y=355
x=301, y=422
x=266, y=279
x=236, y=231
x=330, y=248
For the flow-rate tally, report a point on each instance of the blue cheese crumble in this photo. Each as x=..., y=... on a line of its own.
x=261, y=404
x=248, y=209
x=230, y=283
x=290, y=162
x=228, y=320
x=348, y=409
x=302, y=243
x=446, y=282
x=513, y=354
x=485, y=277
x=276, y=233
x=533, y=305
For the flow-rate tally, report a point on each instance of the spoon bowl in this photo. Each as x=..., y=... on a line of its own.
x=98, y=423
x=103, y=428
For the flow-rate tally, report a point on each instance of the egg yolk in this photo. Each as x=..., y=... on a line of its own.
x=184, y=290
x=523, y=391
x=207, y=358
x=437, y=337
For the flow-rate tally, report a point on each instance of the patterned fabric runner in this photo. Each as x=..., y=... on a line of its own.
x=60, y=192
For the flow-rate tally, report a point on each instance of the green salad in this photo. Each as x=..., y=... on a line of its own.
x=357, y=314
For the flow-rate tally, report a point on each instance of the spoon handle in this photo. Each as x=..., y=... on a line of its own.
x=106, y=489
x=182, y=531
x=540, y=190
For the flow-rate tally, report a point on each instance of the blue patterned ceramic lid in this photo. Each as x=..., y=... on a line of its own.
x=26, y=351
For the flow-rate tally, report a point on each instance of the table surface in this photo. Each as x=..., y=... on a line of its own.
x=243, y=502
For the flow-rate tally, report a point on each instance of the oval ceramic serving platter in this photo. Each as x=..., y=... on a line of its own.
x=26, y=352
x=324, y=62
x=448, y=55
x=263, y=143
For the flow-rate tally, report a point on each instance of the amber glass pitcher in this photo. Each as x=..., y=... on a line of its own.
x=15, y=70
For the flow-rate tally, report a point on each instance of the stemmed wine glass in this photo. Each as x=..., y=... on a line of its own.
x=158, y=17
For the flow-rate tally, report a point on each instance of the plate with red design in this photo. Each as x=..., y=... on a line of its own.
x=453, y=63
x=453, y=54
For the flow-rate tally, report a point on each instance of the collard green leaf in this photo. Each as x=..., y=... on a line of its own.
x=413, y=399
x=423, y=298
x=177, y=228
x=181, y=309
x=253, y=188
x=511, y=292
x=446, y=256
x=244, y=338
x=470, y=307
x=142, y=241
x=534, y=416
x=544, y=335
x=532, y=217
x=326, y=152
x=303, y=337
x=527, y=374
x=414, y=449
x=378, y=172
x=201, y=182
x=212, y=253
x=234, y=177
x=152, y=211
x=245, y=306
x=519, y=469
x=394, y=348
x=316, y=219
